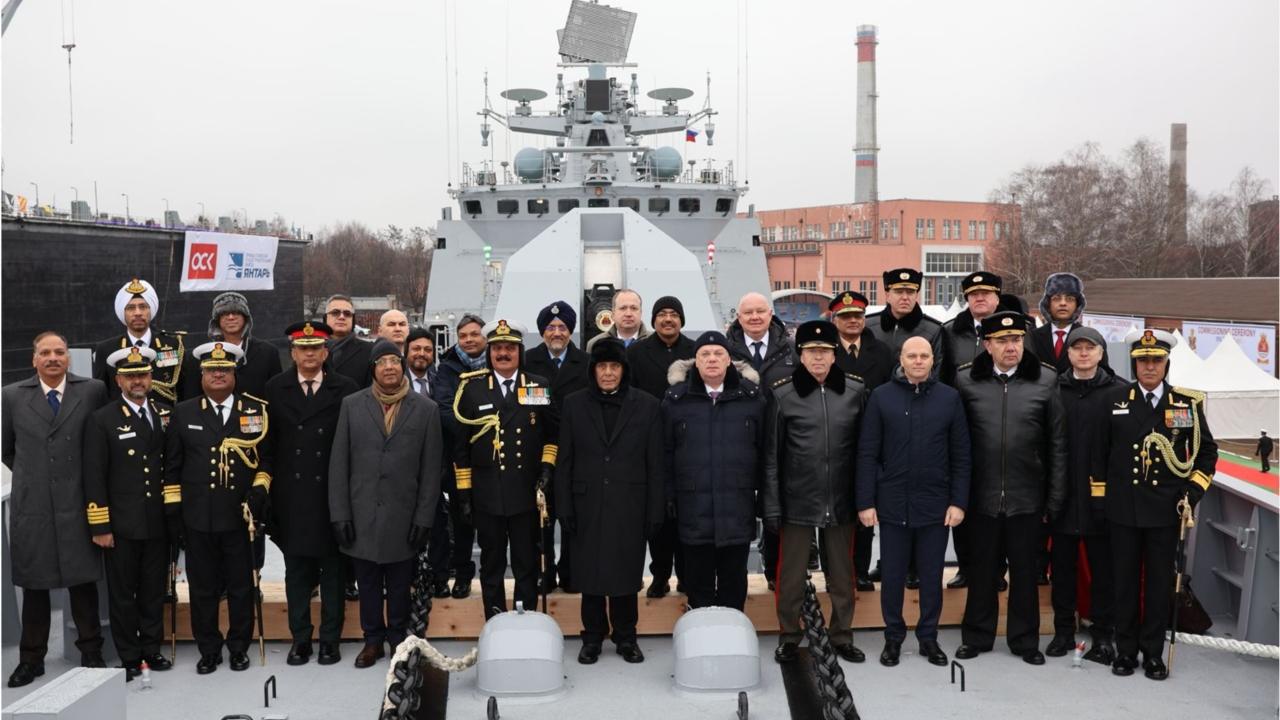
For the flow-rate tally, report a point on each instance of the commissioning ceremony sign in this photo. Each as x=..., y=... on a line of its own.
x=1257, y=341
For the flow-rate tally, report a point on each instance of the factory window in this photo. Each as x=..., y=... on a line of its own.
x=724, y=206
x=973, y=229
x=633, y=203
x=811, y=232
x=659, y=205
x=871, y=297
x=689, y=205
x=472, y=207
x=919, y=228
x=565, y=206
x=929, y=229
x=894, y=225
x=508, y=207
x=951, y=263
x=835, y=286
x=997, y=229
x=982, y=230
x=946, y=229
x=786, y=284
x=539, y=207
x=955, y=230
x=862, y=287
x=777, y=285
x=597, y=202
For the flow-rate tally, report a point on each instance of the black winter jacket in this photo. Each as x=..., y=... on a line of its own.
x=780, y=357
x=811, y=448
x=1019, y=438
x=650, y=359
x=1084, y=402
x=894, y=332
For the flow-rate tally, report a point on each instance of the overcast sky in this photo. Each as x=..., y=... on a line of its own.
x=324, y=111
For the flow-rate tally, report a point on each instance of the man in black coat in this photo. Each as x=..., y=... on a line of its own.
x=648, y=362
x=232, y=323
x=1263, y=451
x=348, y=354
x=420, y=369
x=902, y=317
x=213, y=469
x=1156, y=453
x=137, y=305
x=305, y=402
x=1061, y=308
x=123, y=484
x=1019, y=471
x=610, y=495
x=504, y=453
x=859, y=353
x=565, y=367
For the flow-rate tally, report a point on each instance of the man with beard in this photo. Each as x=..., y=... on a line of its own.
x=232, y=324
x=420, y=358
x=467, y=355
x=565, y=367
x=504, y=453
x=384, y=482
x=610, y=495
x=137, y=305
x=648, y=362
x=348, y=354
x=123, y=484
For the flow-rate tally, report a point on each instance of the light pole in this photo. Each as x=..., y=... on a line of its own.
x=126, y=207
x=201, y=212
x=77, y=192
x=37, y=187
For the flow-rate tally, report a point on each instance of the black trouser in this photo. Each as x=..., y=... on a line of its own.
x=396, y=578
x=717, y=576
x=34, y=644
x=301, y=575
x=137, y=577
x=1143, y=566
x=900, y=547
x=960, y=537
x=549, y=548
x=1066, y=555
x=624, y=612
x=464, y=539
x=993, y=539
x=496, y=533
x=768, y=555
x=439, y=547
x=1266, y=463
x=666, y=554
x=218, y=561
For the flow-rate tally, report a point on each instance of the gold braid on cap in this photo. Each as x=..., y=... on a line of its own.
x=246, y=449
x=486, y=423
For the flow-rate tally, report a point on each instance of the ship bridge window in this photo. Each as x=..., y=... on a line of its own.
x=724, y=206
x=508, y=207
x=565, y=206
x=472, y=207
x=597, y=202
x=633, y=203
x=690, y=205
x=539, y=207
x=660, y=205
x=598, y=138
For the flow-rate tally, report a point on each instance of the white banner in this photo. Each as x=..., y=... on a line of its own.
x=221, y=261
x=1257, y=341
x=1112, y=327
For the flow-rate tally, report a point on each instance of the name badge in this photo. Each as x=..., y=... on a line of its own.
x=195, y=427
x=533, y=396
x=128, y=435
x=166, y=358
x=1177, y=418
x=1124, y=411
x=486, y=406
x=250, y=424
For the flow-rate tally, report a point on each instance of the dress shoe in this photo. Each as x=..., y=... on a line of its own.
x=1004, y=585
x=913, y=581
x=968, y=652
x=1154, y=669
x=1124, y=665
x=865, y=585
x=92, y=660
x=547, y=583
x=329, y=654
x=874, y=575
x=351, y=593
x=934, y=654
x=631, y=652
x=850, y=653
x=680, y=588
x=1033, y=657
x=658, y=589
x=239, y=661
x=25, y=673
x=208, y=663
x=786, y=652
x=1060, y=645
x=369, y=655
x=440, y=588
x=461, y=588
x=131, y=671
x=892, y=651
x=772, y=585
x=958, y=581
x=1102, y=652
x=589, y=654
x=158, y=662
x=299, y=654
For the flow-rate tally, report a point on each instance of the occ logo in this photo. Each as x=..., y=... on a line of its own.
x=202, y=264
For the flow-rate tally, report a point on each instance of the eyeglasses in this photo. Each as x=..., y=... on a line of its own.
x=341, y=313
x=388, y=360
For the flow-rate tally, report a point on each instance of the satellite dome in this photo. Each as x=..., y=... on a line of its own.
x=530, y=164
x=597, y=118
x=665, y=162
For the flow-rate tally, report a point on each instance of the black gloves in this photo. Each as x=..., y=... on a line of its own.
x=418, y=536
x=773, y=524
x=569, y=525
x=344, y=533
x=544, y=477
x=257, y=500
x=463, y=500
x=671, y=509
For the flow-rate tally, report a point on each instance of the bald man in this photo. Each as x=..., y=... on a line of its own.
x=394, y=326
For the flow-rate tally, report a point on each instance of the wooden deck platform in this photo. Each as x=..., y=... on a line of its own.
x=462, y=619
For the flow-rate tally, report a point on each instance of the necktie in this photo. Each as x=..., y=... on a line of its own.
x=54, y=403
x=1151, y=400
x=853, y=350
x=756, y=358
x=506, y=387
x=142, y=415
x=422, y=385
x=977, y=334
x=221, y=420
x=1057, y=344
x=138, y=343
x=310, y=391
x=714, y=395
x=558, y=361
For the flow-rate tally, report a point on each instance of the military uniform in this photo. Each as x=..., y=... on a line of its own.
x=506, y=442
x=170, y=349
x=1151, y=457
x=124, y=492
x=212, y=469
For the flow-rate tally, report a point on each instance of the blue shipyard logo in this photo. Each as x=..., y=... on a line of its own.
x=249, y=266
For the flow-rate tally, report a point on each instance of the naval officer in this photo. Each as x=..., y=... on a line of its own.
x=137, y=305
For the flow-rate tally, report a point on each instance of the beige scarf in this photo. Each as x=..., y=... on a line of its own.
x=390, y=403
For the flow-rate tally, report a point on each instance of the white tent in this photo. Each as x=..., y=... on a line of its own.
x=1242, y=398
x=1186, y=368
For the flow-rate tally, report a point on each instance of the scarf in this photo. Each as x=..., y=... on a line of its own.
x=390, y=403
x=471, y=363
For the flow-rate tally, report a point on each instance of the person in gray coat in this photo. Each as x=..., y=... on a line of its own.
x=43, y=424
x=384, y=482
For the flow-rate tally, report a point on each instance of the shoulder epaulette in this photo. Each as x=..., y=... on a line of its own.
x=174, y=332
x=852, y=376
x=251, y=397
x=965, y=366
x=781, y=381
x=1195, y=395
x=474, y=374
x=1047, y=366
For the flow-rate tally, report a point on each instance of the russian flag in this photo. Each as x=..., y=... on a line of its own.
x=690, y=135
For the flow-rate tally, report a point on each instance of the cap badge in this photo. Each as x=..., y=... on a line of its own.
x=904, y=276
x=308, y=330
x=218, y=353
x=503, y=328
x=1148, y=338
x=977, y=278
x=848, y=299
x=135, y=287
x=1006, y=322
x=555, y=309
x=134, y=356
